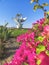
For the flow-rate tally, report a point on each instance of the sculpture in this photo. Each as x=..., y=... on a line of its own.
x=19, y=19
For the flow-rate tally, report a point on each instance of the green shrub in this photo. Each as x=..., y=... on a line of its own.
x=4, y=35
x=17, y=32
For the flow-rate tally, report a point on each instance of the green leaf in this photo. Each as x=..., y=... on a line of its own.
x=40, y=7
x=35, y=27
x=40, y=48
x=45, y=4
x=47, y=12
x=47, y=52
x=36, y=1
x=38, y=62
x=40, y=38
x=35, y=7
x=25, y=63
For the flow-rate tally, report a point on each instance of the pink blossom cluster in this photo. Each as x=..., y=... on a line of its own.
x=45, y=34
x=27, y=53
x=46, y=31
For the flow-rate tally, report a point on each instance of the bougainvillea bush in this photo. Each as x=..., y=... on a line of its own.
x=34, y=48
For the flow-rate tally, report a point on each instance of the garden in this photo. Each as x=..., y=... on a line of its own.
x=8, y=43
x=28, y=46
x=34, y=45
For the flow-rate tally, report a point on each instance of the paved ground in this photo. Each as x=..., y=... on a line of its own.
x=11, y=45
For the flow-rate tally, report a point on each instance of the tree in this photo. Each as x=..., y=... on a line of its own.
x=39, y=6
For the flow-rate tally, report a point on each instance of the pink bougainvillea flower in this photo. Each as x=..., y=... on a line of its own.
x=37, y=43
x=40, y=27
x=31, y=59
x=41, y=21
x=44, y=58
x=47, y=46
x=46, y=31
x=5, y=63
x=45, y=42
x=46, y=28
x=31, y=45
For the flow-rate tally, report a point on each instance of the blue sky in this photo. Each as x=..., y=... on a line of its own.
x=9, y=9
